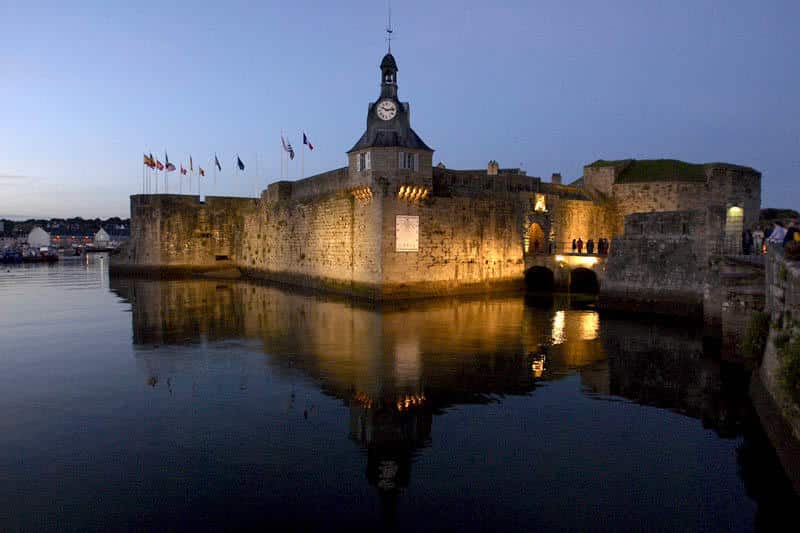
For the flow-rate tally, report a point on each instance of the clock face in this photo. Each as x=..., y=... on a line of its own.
x=386, y=110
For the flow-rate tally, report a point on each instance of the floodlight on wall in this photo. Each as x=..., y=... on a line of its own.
x=413, y=192
x=362, y=193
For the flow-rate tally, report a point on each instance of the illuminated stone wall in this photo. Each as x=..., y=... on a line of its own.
x=169, y=230
x=330, y=240
x=464, y=244
x=572, y=219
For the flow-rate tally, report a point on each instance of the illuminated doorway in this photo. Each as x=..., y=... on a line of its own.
x=734, y=224
x=534, y=240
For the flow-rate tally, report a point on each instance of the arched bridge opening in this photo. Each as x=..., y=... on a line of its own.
x=539, y=279
x=583, y=280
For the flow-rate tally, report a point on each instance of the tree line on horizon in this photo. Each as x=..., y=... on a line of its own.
x=67, y=226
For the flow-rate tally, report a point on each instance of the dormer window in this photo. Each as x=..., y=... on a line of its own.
x=364, y=162
x=408, y=161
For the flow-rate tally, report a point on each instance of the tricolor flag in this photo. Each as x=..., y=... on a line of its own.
x=159, y=165
x=307, y=142
x=202, y=172
x=169, y=166
x=216, y=162
x=287, y=146
x=239, y=163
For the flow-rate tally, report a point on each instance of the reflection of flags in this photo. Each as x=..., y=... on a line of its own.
x=159, y=165
x=202, y=172
x=307, y=142
x=191, y=167
x=216, y=162
x=239, y=163
x=287, y=146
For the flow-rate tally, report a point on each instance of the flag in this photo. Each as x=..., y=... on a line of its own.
x=152, y=161
x=183, y=170
x=239, y=163
x=307, y=142
x=191, y=166
x=288, y=147
x=216, y=162
x=148, y=161
x=202, y=172
x=159, y=165
x=169, y=166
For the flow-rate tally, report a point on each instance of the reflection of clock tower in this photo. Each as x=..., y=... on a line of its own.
x=389, y=148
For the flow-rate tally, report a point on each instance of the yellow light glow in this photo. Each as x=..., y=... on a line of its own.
x=539, y=204
x=588, y=325
x=559, y=258
x=559, y=322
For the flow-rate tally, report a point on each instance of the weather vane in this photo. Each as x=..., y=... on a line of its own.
x=389, y=29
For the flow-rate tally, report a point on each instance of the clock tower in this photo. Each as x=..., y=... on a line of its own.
x=389, y=147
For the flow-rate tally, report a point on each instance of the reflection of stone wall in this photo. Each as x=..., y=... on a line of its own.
x=453, y=351
x=667, y=366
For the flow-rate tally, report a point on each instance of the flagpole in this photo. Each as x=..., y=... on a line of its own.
x=255, y=178
x=303, y=161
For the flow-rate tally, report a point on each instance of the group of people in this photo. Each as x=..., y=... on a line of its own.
x=756, y=241
x=602, y=246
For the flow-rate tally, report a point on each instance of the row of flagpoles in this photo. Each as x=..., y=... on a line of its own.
x=154, y=170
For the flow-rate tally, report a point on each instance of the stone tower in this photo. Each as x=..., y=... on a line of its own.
x=389, y=148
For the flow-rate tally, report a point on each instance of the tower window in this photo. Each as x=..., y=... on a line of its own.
x=408, y=161
x=364, y=162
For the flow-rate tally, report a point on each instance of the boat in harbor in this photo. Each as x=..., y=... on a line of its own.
x=42, y=255
x=11, y=257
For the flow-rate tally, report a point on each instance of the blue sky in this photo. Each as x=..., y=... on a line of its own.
x=86, y=87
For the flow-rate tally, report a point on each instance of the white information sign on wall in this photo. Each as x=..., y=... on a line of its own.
x=407, y=233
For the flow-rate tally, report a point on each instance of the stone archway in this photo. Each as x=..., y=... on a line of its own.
x=583, y=280
x=535, y=240
x=539, y=279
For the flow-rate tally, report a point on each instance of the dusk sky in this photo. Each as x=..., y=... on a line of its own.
x=87, y=87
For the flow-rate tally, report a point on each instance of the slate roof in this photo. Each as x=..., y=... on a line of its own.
x=390, y=138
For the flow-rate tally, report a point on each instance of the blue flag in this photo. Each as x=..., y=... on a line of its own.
x=216, y=162
x=239, y=162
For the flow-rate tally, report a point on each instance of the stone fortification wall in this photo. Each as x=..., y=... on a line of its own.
x=169, y=230
x=330, y=240
x=572, y=219
x=658, y=196
x=465, y=243
x=659, y=265
x=783, y=306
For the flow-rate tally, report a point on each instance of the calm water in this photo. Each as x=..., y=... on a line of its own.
x=201, y=404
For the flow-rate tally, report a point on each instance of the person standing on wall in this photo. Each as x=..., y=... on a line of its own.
x=747, y=242
x=574, y=245
x=792, y=233
x=777, y=234
x=580, y=245
x=590, y=246
x=758, y=241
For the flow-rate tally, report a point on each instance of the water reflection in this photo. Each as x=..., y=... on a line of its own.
x=398, y=368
